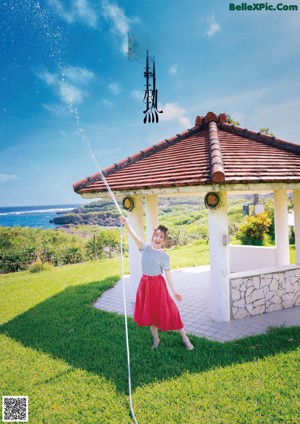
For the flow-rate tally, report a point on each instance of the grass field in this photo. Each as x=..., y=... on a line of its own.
x=70, y=359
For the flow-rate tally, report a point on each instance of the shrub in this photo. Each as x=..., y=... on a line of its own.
x=198, y=232
x=71, y=255
x=20, y=247
x=254, y=230
x=16, y=260
x=39, y=266
x=177, y=237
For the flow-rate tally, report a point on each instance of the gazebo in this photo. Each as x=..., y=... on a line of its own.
x=214, y=159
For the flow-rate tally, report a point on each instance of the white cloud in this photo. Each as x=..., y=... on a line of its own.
x=57, y=110
x=7, y=177
x=85, y=12
x=114, y=87
x=172, y=111
x=213, y=28
x=121, y=23
x=47, y=77
x=137, y=95
x=70, y=94
x=78, y=75
x=208, y=27
x=68, y=85
x=173, y=70
x=79, y=11
x=107, y=103
x=185, y=122
x=60, y=10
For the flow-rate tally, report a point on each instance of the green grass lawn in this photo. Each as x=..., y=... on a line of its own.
x=70, y=358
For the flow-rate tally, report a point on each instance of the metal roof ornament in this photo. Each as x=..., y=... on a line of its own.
x=150, y=98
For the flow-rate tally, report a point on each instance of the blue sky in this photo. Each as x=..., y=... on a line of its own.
x=66, y=77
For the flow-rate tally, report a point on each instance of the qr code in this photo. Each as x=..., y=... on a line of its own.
x=15, y=408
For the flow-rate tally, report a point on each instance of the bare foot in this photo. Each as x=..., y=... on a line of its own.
x=155, y=343
x=187, y=343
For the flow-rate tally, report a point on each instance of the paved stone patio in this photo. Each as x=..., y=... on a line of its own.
x=193, y=285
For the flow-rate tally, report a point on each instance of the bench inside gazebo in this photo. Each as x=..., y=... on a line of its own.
x=214, y=159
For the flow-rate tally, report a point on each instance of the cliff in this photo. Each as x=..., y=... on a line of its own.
x=96, y=213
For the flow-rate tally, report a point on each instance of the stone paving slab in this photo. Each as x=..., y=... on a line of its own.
x=193, y=285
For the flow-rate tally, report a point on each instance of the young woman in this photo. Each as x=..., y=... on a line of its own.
x=154, y=306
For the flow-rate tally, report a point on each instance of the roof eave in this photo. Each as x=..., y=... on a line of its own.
x=261, y=138
x=78, y=186
x=198, y=190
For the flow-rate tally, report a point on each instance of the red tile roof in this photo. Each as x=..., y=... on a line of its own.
x=211, y=152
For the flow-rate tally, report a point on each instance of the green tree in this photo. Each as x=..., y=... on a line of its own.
x=267, y=132
x=269, y=209
x=231, y=121
x=105, y=241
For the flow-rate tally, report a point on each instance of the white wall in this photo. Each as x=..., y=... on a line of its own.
x=255, y=293
x=244, y=258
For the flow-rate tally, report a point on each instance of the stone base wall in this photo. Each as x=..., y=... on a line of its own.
x=263, y=291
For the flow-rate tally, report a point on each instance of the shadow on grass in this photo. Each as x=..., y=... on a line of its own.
x=68, y=327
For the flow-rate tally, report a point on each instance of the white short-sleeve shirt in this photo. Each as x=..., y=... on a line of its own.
x=154, y=261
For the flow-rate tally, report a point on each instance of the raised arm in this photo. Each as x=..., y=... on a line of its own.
x=136, y=238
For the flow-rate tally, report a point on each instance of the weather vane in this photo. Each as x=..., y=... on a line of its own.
x=150, y=97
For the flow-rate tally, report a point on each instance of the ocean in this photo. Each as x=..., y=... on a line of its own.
x=32, y=216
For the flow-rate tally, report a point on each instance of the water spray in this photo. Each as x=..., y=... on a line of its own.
x=86, y=140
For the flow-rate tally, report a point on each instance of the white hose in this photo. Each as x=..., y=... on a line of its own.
x=126, y=327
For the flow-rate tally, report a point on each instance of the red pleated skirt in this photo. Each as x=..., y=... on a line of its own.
x=155, y=306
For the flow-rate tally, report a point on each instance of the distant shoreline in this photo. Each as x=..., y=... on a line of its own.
x=37, y=216
x=43, y=208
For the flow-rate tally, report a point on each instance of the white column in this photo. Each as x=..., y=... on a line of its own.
x=151, y=215
x=281, y=228
x=135, y=219
x=297, y=224
x=219, y=261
